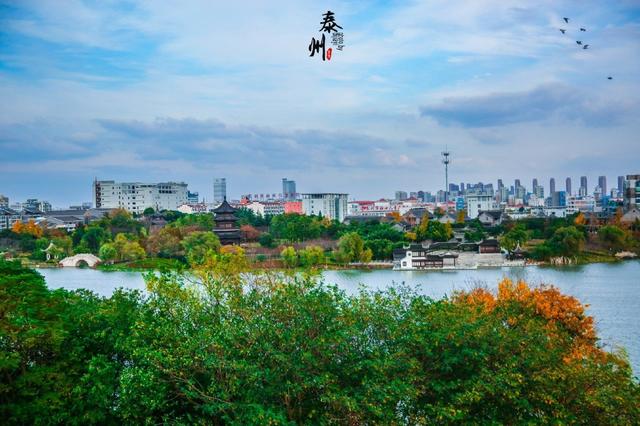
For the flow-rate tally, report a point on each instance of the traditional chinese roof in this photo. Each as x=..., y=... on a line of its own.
x=495, y=214
x=490, y=242
x=225, y=207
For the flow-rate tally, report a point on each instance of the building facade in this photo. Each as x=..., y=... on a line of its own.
x=478, y=203
x=288, y=189
x=219, y=190
x=631, y=193
x=331, y=205
x=135, y=197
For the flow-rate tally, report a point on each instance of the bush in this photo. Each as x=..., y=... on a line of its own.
x=208, y=347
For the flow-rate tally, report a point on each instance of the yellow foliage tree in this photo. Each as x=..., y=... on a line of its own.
x=461, y=215
x=30, y=228
x=580, y=219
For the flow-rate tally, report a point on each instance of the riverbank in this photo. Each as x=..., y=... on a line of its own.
x=162, y=264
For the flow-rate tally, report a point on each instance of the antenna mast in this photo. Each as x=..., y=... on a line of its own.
x=446, y=160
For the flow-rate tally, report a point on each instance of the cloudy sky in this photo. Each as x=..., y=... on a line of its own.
x=192, y=90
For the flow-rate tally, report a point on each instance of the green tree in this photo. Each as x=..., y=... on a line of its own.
x=351, y=249
x=289, y=257
x=266, y=240
x=108, y=252
x=517, y=234
x=93, y=237
x=613, y=237
x=567, y=241
x=128, y=248
x=200, y=245
x=312, y=256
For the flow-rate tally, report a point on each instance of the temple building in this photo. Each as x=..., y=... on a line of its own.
x=226, y=229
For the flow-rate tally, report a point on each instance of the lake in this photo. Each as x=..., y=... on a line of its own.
x=612, y=291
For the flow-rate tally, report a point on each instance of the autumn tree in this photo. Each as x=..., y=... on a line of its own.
x=249, y=233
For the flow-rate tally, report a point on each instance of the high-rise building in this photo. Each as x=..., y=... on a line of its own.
x=401, y=195
x=517, y=184
x=539, y=192
x=219, y=190
x=583, y=183
x=331, y=205
x=559, y=199
x=500, y=184
x=552, y=186
x=534, y=185
x=602, y=183
x=192, y=197
x=620, y=184
x=288, y=189
x=4, y=201
x=462, y=186
x=631, y=192
x=136, y=197
x=567, y=184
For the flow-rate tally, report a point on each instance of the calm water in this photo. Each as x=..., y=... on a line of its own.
x=612, y=291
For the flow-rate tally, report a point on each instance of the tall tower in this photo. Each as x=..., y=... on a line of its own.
x=446, y=160
x=219, y=190
x=602, y=183
x=568, y=186
x=552, y=186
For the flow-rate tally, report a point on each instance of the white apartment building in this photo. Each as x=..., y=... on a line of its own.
x=264, y=208
x=478, y=203
x=135, y=197
x=331, y=205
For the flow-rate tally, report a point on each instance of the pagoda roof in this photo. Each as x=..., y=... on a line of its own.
x=225, y=207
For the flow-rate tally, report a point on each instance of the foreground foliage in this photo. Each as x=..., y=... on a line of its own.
x=218, y=347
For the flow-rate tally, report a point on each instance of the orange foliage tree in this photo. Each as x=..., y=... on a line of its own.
x=30, y=228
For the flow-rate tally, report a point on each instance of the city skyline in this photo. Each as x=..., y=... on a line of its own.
x=145, y=92
x=207, y=193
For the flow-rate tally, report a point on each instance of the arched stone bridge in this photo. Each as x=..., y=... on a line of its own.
x=88, y=258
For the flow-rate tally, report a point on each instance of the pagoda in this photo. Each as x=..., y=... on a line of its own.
x=226, y=229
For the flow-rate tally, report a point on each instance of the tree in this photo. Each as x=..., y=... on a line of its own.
x=516, y=235
x=434, y=230
x=200, y=245
x=249, y=233
x=127, y=248
x=613, y=237
x=289, y=257
x=266, y=240
x=351, y=249
x=461, y=215
x=29, y=228
x=295, y=227
x=165, y=242
x=312, y=256
x=93, y=237
x=567, y=241
x=149, y=211
x=108, y=252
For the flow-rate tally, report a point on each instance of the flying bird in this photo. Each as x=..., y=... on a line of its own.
x=578, y=41
x=562, y=30
x=566, y=20
x=583, y=29
x=609, y=78
x=586, y=46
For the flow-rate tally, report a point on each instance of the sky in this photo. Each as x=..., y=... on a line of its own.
x=188, y=91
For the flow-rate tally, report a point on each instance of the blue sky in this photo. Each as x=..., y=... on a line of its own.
x=153, y=90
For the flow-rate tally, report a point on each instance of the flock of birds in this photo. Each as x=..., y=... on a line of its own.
x=579, y=42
